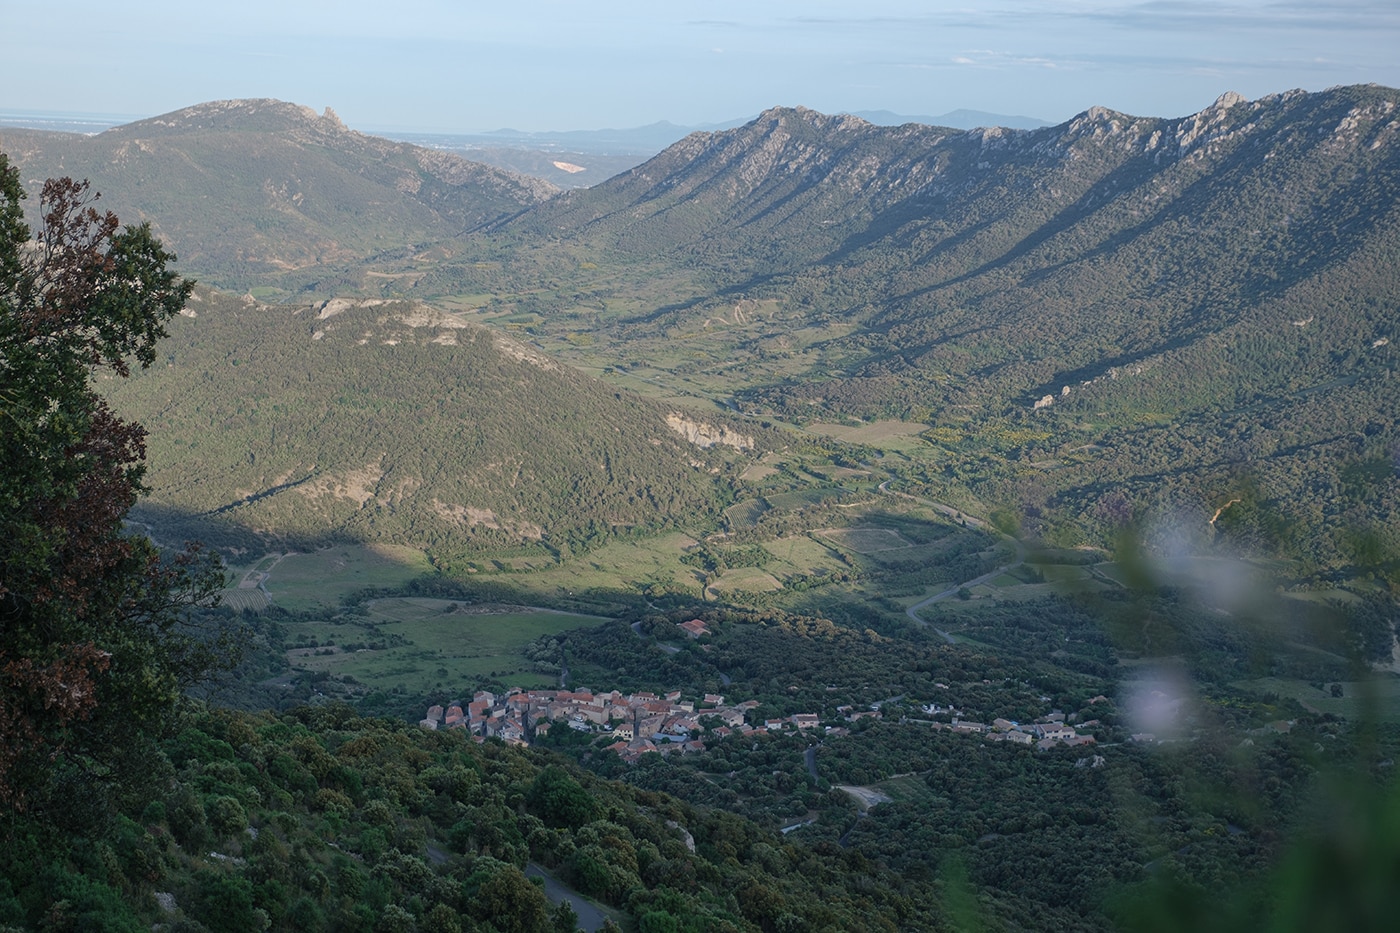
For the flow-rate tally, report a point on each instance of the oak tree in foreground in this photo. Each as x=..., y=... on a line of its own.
x=93, y=648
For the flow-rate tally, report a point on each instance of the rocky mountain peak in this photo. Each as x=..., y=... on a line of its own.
x=258, y=114
x=1228, y=99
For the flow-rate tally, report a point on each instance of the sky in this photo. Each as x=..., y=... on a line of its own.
x=468, y=66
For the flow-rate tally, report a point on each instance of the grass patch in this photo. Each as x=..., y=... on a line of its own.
x=931, y=555
x=1376, y=698
x=626, y=566
x=746, y=579
x=322, y=578
x=435, y=645
x=1025, y=592
x=892, y=435
x=866, y=540
x=799, y=554
x=757, y=472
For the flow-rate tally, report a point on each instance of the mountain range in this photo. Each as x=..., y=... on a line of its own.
x=1116, y=306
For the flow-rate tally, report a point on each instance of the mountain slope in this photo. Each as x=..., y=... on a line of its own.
x=1063, y=305
x=249, y=188
x=392, y=422
x=1141, y=306
x=1069, y=251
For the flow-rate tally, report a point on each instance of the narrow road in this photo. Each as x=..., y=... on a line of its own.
x=971, y=522
x=590, y=918
x=913, y=611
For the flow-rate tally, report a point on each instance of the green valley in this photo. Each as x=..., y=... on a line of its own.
x=856, y=528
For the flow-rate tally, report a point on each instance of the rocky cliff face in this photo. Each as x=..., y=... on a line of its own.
x=703, y=434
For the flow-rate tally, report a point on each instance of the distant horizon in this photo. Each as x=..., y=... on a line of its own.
x=556, y=66
x=26, y=118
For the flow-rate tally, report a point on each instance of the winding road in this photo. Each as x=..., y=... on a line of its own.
x=971, y=522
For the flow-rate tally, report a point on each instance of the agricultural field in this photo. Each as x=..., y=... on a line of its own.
x=240, y=599
x=1375, y=699
x=866, y=540
x=906, y=788
x=422, y=646
x=758, y=472
x=801, y=555
x=322, y=578
x=626, y=566
x=745, y=514
x=900, y=436
x=745, y=580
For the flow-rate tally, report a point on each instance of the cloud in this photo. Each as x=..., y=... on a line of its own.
x=1153, y=15
x=1192, y=15
x=1123, y=63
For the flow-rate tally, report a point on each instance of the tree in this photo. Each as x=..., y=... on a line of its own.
x=93, y=646
x=559, y=800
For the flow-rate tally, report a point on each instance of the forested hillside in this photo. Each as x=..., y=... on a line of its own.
x=321, y=820
x=393, y=422
x=1117, y=317
x=991, y=267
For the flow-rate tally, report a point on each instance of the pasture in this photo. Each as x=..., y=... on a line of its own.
x=320, y=579
x=886, y=435
x=1375, y=699
x=424, y=646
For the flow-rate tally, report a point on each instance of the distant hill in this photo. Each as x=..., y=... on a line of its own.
x=250, y=188
x=638, y=140
x=567, y=159
x=396, y=423
x=563, y=168
x=593, y=156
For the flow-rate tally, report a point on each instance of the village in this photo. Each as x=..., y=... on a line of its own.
x=645, y=723
x=641, y=722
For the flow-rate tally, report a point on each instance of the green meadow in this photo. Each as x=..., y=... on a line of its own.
x=321, y=579
x=427, y=646
x=1375, y=699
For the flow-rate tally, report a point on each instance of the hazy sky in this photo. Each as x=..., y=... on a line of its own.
x=463, y=65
